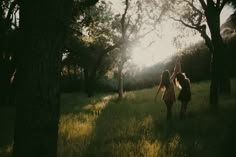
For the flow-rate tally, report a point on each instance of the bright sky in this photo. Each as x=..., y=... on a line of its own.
x=163, y=46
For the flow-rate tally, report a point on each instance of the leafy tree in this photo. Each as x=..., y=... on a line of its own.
x=139, y=18
x=194, y=15
x=91, y=43
x=42, y=29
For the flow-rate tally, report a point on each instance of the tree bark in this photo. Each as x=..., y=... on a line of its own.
x=89, y=81
x=219, y=70
x=120, y=82
x=42, y=26
x=214, y=86
x=123, y=60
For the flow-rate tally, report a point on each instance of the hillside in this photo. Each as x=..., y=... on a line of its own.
x=137, y=126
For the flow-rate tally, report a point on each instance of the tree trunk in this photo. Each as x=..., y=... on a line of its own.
x=91, y=85
x=219, y=72
x=214, y=87
x=42, y=26
x=5, y=80
x=123, y=59
x=89, y=80
x=120, y=82
x=225, y=84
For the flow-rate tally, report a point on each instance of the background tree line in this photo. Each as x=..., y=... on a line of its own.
x=35, y=34
x=195, y=63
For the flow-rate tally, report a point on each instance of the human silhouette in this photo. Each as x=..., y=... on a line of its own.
x=167, y=86
x=185, y=92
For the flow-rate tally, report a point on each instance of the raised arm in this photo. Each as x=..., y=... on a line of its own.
x=177, y=69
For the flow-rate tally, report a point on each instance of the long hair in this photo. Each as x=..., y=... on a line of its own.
x=181, y=78
x=165, y=79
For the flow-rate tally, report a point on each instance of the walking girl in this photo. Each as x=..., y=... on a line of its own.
x=167, y=86
x=185, y=92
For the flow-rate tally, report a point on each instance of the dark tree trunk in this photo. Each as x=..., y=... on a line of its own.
x=86, y=77
x=91, y=86
x=6, y=72
x=42, y=26
x=90, y=80
x=219, y=70
x=214, y=87
x=204, y=35
x=89, y=83
x=120, y=72
x=225, y=84
x=120, y=82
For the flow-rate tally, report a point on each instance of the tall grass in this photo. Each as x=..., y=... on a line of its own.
x=137, y=126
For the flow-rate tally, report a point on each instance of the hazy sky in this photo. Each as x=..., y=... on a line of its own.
x=163, y=47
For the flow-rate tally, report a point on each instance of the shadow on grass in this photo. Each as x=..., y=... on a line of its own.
x=137, y=127
x=126, y=129
x=77, y=124
x=204, y=134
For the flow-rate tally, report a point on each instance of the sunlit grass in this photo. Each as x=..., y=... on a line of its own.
x=137, y=126
x=76, y=128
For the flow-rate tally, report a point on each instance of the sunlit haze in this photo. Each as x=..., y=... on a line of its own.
x=144, y=54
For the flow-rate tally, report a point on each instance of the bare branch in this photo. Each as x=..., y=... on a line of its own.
x=143, y=35
x=11, y=10
x=207, y=39
x=203, y=4
x=192, y=5
x=123, y=29
x=135, y=24
x=218, y=3
x=223, y=4
x=199, y=12
x=184, y=23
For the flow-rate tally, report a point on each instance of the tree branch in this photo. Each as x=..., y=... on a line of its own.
x=101, y=57
x=11, y=10
x=135, y=24
x=218, y=3
x=123, y=29
x=223, y=4
x=192, y=5
x=184, y=23
x=154, y=27
x=207, y=39
x=210, y=3
x=203, y=4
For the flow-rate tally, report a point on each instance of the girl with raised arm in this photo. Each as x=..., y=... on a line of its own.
x=167, y=86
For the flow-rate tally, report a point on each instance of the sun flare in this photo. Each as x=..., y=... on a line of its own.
x=155, y=48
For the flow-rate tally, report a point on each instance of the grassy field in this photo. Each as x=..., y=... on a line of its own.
x=137, y=126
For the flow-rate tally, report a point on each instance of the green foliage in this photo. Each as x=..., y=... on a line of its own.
x=137, y=126
x=91, y=33
x=195, y=63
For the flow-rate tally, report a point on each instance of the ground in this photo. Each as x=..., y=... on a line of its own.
x=137, y=126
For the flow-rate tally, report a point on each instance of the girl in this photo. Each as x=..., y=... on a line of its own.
x=167, y=86
x=185, y=92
